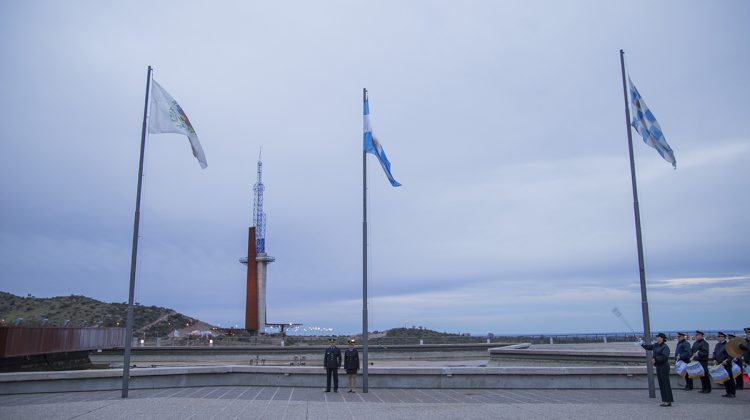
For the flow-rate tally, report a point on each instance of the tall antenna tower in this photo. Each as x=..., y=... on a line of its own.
x=257, y=261
x=259, y=217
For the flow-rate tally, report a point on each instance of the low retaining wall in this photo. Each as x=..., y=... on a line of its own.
x=584, y=354
x=560, y=355
x=579, y=377
x=257, y=355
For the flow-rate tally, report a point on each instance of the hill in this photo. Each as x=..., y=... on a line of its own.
x=153, y=321
x=417, y=332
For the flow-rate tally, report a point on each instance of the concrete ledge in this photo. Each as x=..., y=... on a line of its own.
x=221, y=355
x=583, y=354
x=557, y=355
x=573, y=377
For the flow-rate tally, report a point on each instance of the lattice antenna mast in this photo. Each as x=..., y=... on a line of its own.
x=259, y=217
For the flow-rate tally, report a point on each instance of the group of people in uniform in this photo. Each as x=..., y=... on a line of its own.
x=698, y=352
x=332, y=362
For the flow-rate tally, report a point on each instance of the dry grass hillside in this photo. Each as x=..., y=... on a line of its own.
x=153, y=321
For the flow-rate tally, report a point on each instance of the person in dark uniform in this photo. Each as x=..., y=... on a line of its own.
x=332, y=363
x=739, y=381
x=683, y=352
x=351, y=364
x=722, y=359
x=700, y=355
x=661, y=362
x=745, y=347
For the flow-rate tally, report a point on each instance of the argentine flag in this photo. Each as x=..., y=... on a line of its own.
x=372, y=145
x=646, y=125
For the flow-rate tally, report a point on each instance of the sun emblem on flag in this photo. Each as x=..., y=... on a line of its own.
x=638, y=104
x=178, y=116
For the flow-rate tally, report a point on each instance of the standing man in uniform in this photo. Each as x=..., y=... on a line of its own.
x=745, y=347
x=739, y=381
x=683, y=352
x=332, y=363
x=661, y=362
x=700, y=355
x=722, y=359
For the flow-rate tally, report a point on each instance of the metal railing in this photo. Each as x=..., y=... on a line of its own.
x=276, y=340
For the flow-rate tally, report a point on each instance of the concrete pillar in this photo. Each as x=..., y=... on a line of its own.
x=551, y=340
x=282, y=345
x=261, y=294
x=605, y=338
x=421, y=342
x=262, y=261
x=158, y=341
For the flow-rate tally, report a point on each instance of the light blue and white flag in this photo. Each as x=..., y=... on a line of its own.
x=646, y=125
x=372, y=145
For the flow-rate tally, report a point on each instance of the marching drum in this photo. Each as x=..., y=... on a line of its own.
x=736, y=371
x=680, y=368
x=695, y=370
x=719, y=374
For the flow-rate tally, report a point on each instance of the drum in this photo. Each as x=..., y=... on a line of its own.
x=736, y=371
x=680, y=368
x=695, y=370
x=719, y=374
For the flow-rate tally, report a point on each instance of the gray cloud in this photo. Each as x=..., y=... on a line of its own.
x=504, y=122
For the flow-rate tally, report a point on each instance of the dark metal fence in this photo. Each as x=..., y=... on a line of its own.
x=29, y=341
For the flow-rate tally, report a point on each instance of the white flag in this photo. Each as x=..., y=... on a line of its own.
x=166, y=116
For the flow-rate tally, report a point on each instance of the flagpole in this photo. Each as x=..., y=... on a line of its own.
x=639, y=239
x=134, y=254
x=364, y=263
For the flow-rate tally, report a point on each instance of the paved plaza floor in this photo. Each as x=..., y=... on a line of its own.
x=249, y=402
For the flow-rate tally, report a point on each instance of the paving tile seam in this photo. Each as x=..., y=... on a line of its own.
x=288, y=404
x=349, y=409
x=465, y=395
x=211, y=393
x=260, y=416
x=427, y=395
x=218, y=413
x=393, y=396
x=227, y=392
x=92, y=410
x=248, y=403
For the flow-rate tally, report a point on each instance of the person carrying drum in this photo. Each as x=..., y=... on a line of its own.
x=739, y=381
x=683, y=352
x=700, y=355
x=745, y=347
x=722, y=359
x=661, y=362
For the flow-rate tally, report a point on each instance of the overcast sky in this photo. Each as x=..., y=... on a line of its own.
x=504, y=121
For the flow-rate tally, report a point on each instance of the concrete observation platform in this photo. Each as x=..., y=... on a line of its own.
x=619, y=366
x=520, y=377
x=250, y=402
